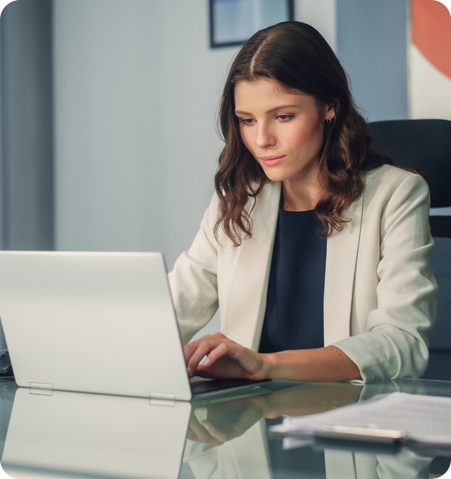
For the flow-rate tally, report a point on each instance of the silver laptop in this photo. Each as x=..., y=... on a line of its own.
x=97, y=323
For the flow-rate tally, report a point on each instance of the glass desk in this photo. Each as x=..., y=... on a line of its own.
x=71, y=435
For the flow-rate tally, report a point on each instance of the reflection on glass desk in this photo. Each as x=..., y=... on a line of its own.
x=74, y=435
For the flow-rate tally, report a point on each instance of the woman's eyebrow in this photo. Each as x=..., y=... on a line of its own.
x=279, y=107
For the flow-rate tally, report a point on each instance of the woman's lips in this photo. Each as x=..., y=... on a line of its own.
x=272, y=160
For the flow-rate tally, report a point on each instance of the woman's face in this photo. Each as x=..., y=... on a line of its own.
x=283, y=131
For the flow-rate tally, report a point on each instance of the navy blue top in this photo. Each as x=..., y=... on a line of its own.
x=294, y=317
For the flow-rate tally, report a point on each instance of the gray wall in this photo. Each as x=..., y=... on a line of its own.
x=372, y=46
x=136, y=92
x=26, y=126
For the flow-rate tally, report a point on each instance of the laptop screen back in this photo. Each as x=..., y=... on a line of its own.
x=92, y=322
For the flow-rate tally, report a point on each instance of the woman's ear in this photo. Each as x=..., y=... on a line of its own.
x=332, y=110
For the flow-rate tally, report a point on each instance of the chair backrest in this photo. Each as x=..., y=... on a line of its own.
x=426, y=146
x=440, y=347
x=422, y=144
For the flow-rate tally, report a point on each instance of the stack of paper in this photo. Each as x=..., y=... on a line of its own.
x=424, y=419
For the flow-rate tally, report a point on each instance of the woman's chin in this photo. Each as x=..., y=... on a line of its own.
x=275, y=175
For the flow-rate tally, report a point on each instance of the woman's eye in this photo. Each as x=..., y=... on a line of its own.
x=246, y=121
x=284, y=117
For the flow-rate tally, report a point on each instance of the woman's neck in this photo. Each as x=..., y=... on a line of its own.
x=301, y=197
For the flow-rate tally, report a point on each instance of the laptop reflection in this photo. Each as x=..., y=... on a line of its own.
x=66, y=434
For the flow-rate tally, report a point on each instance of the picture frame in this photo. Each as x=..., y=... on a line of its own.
x=233, y=22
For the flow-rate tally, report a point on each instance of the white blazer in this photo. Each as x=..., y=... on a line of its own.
x=380, y=292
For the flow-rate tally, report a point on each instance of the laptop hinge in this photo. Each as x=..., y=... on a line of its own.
x=43, y=389
x=162, y=399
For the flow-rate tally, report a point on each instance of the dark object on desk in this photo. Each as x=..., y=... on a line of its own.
x=426, y=146
x=6, y=371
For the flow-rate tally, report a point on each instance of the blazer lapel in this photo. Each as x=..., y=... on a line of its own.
x=245, y=305
x=342, y=248
x=243, y=308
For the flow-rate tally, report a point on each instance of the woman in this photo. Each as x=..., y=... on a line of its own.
x=314, y=246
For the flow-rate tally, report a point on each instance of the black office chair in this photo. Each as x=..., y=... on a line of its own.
x=426, y=146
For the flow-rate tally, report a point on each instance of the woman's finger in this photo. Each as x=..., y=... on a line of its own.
x=190, y=348
x=245, y=362
x=188, y=351
x=202, y=350
x=221, y=350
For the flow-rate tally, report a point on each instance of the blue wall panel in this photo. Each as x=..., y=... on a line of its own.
x=372, y=46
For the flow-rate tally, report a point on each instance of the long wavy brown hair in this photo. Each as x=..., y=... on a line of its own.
x=297, y=56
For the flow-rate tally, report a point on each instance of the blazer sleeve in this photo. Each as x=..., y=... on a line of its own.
x=193, y=281
x=395, y=343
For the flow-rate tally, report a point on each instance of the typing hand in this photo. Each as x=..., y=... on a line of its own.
x=225, y=359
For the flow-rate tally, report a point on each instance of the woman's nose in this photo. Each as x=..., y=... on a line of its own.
x=265, y=137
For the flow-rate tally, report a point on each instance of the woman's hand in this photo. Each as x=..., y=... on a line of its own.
x=225, y=359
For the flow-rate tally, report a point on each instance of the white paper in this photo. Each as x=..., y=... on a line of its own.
x=422, y=418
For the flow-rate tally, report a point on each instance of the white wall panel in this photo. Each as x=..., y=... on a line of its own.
x=429, y=88
x=321, y=14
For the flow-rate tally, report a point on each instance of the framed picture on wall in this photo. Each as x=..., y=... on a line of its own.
x=233, y=22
